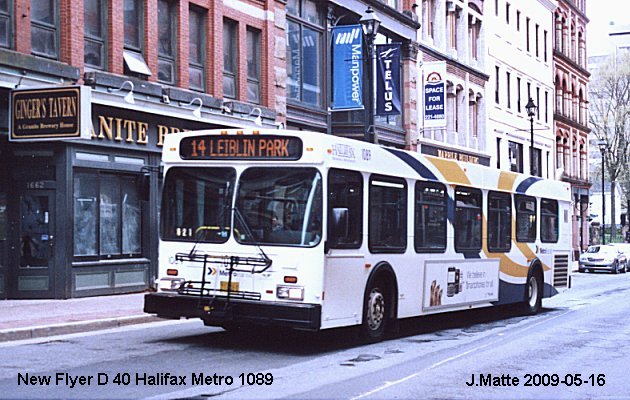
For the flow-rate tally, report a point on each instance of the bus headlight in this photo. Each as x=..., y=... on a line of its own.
x=290, y=292
x=170, y=284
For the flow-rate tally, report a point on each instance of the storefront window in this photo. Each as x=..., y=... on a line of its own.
x=107, y=216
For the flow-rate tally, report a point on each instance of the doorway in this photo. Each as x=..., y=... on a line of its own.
x=33, y=275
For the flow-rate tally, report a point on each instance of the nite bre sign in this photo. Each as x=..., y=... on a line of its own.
x=50, y=113
x=269, y=147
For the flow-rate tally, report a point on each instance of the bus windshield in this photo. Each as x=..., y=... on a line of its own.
x=196, y=204
x=281, y=206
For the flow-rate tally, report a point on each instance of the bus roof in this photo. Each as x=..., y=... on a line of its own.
x=338, y=152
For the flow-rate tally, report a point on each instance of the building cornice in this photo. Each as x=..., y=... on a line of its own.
x=450, y=60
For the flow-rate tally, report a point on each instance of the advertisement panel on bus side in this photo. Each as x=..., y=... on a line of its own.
x=456, y=283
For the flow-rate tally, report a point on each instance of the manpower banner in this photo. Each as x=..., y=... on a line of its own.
x=347, y=53
x=388, y=79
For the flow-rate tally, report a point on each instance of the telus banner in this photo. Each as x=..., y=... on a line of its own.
x=388, y=79
x=347, y=68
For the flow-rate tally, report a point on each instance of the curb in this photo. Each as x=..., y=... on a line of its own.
x=73, y=327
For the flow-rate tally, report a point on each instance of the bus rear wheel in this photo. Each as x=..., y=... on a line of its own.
x=533, y=294
x=375, y=312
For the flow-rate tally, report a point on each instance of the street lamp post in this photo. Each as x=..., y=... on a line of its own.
x=531, y=111
x=370, y=24
x=601, y=143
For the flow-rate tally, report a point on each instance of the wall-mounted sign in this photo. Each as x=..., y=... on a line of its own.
x=388, y=79
x=50, y=113
x=434, y=94
x=347, y=51
x=455, y=155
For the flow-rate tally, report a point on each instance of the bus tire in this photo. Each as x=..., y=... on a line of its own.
x=533, y=292
x=375, y=311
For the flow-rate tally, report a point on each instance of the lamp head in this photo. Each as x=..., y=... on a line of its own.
x=370, y=23
x=531, y=108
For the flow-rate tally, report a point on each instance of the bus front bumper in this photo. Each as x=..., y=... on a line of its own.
x=214, y=311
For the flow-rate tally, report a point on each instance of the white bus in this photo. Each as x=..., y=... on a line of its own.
x=314, y=231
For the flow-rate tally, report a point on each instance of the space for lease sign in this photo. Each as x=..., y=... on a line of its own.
x=434, y=87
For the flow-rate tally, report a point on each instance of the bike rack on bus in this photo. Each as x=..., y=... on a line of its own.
x=234, y=264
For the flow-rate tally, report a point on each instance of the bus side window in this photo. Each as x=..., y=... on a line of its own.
x=467, y=222
x=345, y=209
x=548, y=221
x=387, y=226
x=525, y=218
x=430, y=217
x=499, y=222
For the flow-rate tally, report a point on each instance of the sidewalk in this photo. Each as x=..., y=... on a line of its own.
x=27, y=319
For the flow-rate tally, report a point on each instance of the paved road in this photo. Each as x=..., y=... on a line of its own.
x=581, y=332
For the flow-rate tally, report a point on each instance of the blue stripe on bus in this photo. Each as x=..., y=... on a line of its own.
x=523, y=186
x=415, y=164
x=515, y=293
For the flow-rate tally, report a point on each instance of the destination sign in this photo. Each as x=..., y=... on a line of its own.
x=268, y=147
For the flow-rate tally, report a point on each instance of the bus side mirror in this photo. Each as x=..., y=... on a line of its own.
x=338, y=225
x=144, y=186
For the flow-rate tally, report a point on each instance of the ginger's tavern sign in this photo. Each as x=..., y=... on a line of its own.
x=50, y=113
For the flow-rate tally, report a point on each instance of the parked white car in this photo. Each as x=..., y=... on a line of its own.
x=603, y=257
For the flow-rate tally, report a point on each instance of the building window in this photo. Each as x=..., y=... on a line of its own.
x=6, y=22
x=133, y=25
x=509, y=91
x=467, y=223
x=515, y=153
x=197, y=49
x=518, y=94
x=496, y=88
x=44, y=25
x=537, y=40
x=107, y=216
x=304, y=52
x=527, y=34
x=167, y=40
x=253, y=65
x=95, y=31
x=507, y=13
x=546, y=106
x=538, y=103
x=134, y=39
x=545, y=46
x=499, y=222
x=430, y=217
x=387, y=226
x=230, y=59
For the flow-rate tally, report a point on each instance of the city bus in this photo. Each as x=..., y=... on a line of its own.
x=313, y=231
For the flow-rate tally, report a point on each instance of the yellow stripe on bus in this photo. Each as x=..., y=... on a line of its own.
x=451, y=171
x=506, y=181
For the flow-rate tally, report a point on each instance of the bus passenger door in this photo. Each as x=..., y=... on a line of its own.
x=345, y=273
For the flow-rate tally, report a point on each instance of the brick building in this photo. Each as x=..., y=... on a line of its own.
x=570, y=113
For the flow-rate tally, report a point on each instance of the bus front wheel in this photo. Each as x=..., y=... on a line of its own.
x=376, y=312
